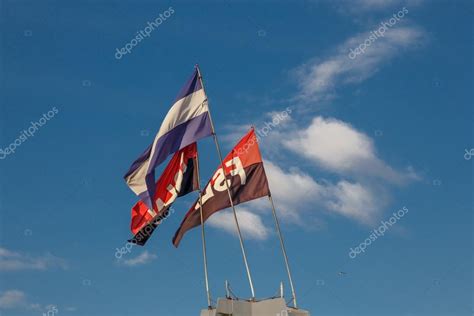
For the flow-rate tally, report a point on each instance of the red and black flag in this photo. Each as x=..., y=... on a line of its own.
x=245, y=176
x=178, y=179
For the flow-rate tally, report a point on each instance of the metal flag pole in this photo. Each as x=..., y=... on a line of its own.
x=228, y=191
x=203, y=235
x=283, y=249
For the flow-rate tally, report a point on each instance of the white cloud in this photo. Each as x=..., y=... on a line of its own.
x=12, y=299
x=250, y=223
x=15, y=299
x=333, y=145
x=292, y=191
x=71, y=309
x=360, y=194
x=374, y=3
x=366, y=6
x=298, y=195
x=144, y=258
x=318, y=79
x=338, y=147
x=354, y=200
x=15, y=261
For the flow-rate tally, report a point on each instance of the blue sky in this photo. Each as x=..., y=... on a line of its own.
x=366, y=136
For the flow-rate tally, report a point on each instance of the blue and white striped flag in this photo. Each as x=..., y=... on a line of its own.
x=187, y=121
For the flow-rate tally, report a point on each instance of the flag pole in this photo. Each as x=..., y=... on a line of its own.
x=283, y=249
x=203, y=235
x=249, y=276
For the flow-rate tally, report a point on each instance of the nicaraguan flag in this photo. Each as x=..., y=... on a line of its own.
x=187, y=121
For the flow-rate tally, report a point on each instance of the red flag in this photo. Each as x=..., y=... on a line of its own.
x=178, y=179
x=245, y=176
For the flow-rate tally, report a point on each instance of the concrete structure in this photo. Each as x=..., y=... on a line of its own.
x=268, y=307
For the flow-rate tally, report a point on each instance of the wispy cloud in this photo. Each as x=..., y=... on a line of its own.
x=319, y=78
x=16, y=261
x=144, y=258
x=251, y=224
x=361, y=192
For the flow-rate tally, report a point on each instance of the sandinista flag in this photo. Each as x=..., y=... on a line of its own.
x=187, y=121
x=245, y=176
x=178, y=179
